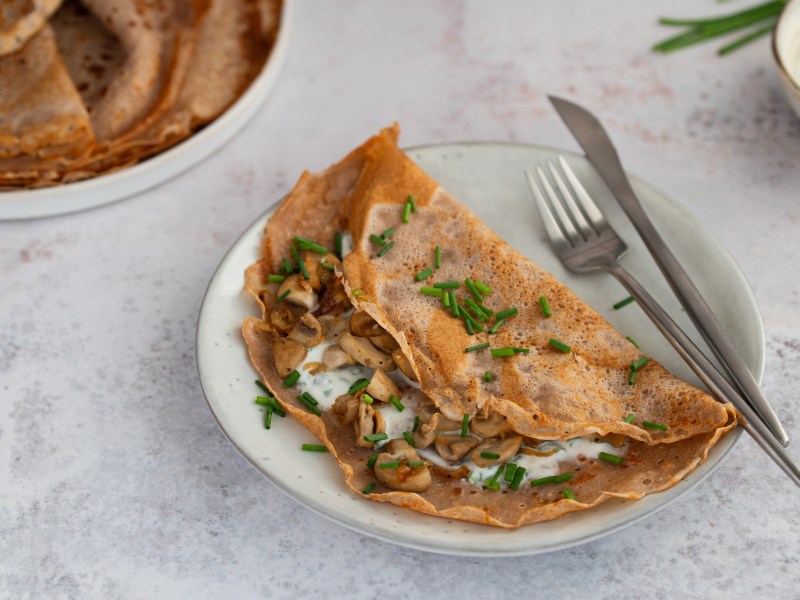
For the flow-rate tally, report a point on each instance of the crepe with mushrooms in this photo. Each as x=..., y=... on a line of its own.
x=445, y=371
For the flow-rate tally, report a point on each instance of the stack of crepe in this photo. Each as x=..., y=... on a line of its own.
x=542, y=395
x=92, y=86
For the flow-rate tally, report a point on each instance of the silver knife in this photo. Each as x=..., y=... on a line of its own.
x=601, y=153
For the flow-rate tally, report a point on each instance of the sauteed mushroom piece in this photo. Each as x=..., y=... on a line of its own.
x=332, y=325
x=334, y=357
x=454, y=447
x=504, y=449
x=402, y=477
x=308, y=331
x=494, y=425
x=384, y=342
x=300, y=292
x=368, y=421
x=365, y=353
x=287, y=355
x=430, y=422
x=405, y=365
x=615, y=439
x=345, y=409
x=381, y=387
x=363, y=325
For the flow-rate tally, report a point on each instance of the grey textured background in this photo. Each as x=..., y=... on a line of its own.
x=116, y=483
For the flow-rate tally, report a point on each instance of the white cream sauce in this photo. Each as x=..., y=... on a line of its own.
x=326, y=386
x=347, y=244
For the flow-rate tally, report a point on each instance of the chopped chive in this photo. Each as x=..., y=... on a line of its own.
x=464, y=425
x=518, y=475
x=375, y=239
x=630, y=418
x=337, y=244
x=310, y=399
x=412, y=203
x=632, y=377
x=487, y=311
x=359, y=385
x=429, y=291
x=263, y=401
x=328, y=266
x=415, y=463
x=303, y=269
x=560, y=346
x=302, y=398
x=453, y=304
x=263, y=387
x=496, y=326
x=509, y=312
x=416, y=424
x=314, y=448
x=497, y=474
x=272, y=403
x=423, y=275
x=545, y=307
x=482, y=287
x=631, y=340
x=283, y=296
x=276, y=278
x=291, y=379
x=306, y=244
x=468, y=318
x=396, y=403
x=487, y=377
x=388, y=233
x=568, y=494
x=469, y=328
x=437, y=257
x=372, y=459
x=300, y=264
x=612, y=458
x=477, y=347
x=406, y=212
x=409, y=438
x=473, y=290
x=502, y=352
x=366, y=398
x=386, y=248
x=476, y=310
x=376, y=437
x=490, y=455
x=445, y=299
x=357, y=292
x=551, y=479
x=521, y=350
x=640, y=363
x=624, y=302
x=370, y=486
x=651, y=425
x=493, y=485
x=446, y=285
x=268, y=417
x=287, y=267
x=389, y=465
x=511, y=469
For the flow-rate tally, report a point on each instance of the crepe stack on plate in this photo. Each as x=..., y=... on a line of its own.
x=93, y=86
x=480, y=405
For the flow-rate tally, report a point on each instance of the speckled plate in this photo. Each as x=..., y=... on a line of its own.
x=488, y=178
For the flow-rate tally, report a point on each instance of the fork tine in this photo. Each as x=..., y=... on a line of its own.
x=550, y=224
x=569, y=201
x=561, y=215
x=591, y=209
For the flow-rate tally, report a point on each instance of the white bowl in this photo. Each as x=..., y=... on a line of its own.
x=786, y=48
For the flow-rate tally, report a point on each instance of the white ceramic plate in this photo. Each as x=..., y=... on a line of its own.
x=786, y=51
x=488, y=178
x=105, y=189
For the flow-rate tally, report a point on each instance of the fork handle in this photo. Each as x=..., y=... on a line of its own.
x=708, y=373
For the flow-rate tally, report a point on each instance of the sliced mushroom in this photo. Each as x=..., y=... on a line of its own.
x=430, y=422
x=494, y=425
x=402, y=478
x=384, y=342
x=369, y=421
x=454, y=447
x=363, y=325
x=365, y=353
x=345, y=409
x=332, y=325
x=381, y=387
x=308, y=331
x=503, y=448
x=461, y=472
x=405, y=365
x=615, y=439
x=287, y=354
x=334, y=357
x=300, y=292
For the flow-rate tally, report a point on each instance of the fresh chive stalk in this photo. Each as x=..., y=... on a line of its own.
x=651, y=425
x=337, y=244
x=496, y=326
x=276, y=278
x=473, y=290
x=328, y=266
x=476, y=310
x=291, y=379
x=429, y=291
x=366, y=398
x=409, y=438
x=509, y=312
x=359, y=385
x=415, y=426
x=282, y=297
x=445, y=298
x=502, y=352
x=464, y=425
x=546, y=312
x=630, y=418
x=376, y=437
x=487, y=377
x=310, y=399
x=396, y=403
x=389, y=465
x=372, y=460
x=287, y=267
x=511, y=469
x=413, y=204
x=406, y=212
x=477, y=347
x=490, y=455
x=312, y=407
x=262, y=387
x=560, y=346
x=314, y=448
x=388, y=233
x=518, y=476
x=370, y=486
x=377, y=240
x=640, y=363
x=632, y=341
x=482, y=287
x=415, y=463
x=623, y=302
x=437, y=257
x=612, y=458
x=568, y=494
x=451, y=295
x=422, y=275
x=446, y=285
x=551, y=479
x=268, y=417
x=386, y=248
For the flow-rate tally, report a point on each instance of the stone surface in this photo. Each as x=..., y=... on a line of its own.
x=114, y=479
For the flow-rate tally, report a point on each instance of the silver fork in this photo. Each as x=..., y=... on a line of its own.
x=584, y=241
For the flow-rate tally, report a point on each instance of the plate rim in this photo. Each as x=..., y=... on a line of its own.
x=678, y=491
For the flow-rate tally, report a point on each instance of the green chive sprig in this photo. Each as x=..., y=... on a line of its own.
x=406, y=212
x=389, y=465
x=388, y=233
x=658, y=426
x=437, y=257
x=314, y=448
x=268, y=417
x=429, y=291
x=337, y=244
x=271, y=402
x=559, y=345
x=496, y=326
x=519, y=474
x=546, y=312
x=446, y=285
x=511, y=469
x=311, y=406
x=509, y=312
x=396, y=403
x=568, y=494
x=422, y=275
x=282, y=297
x=487, y=377
x=612, y=458
x=376, y=437
x=473, y=290
x=377, y=240
x=291, y=379
x=483, y=288
x=630, y=418
x=415, y=463
x=413, y=204
x=415, y=426
x=359, y=385
x=464, y=425
x=386, y=248
x=477, y=347
x=306, y=244
x=368, y=490
x=373, y=458
x=490, y=455
x=551, y=479
x=623, y=302
x=409, y=438
x=276, y=278
x=367, y=399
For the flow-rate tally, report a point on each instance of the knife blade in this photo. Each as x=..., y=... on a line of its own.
x=600, y=151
